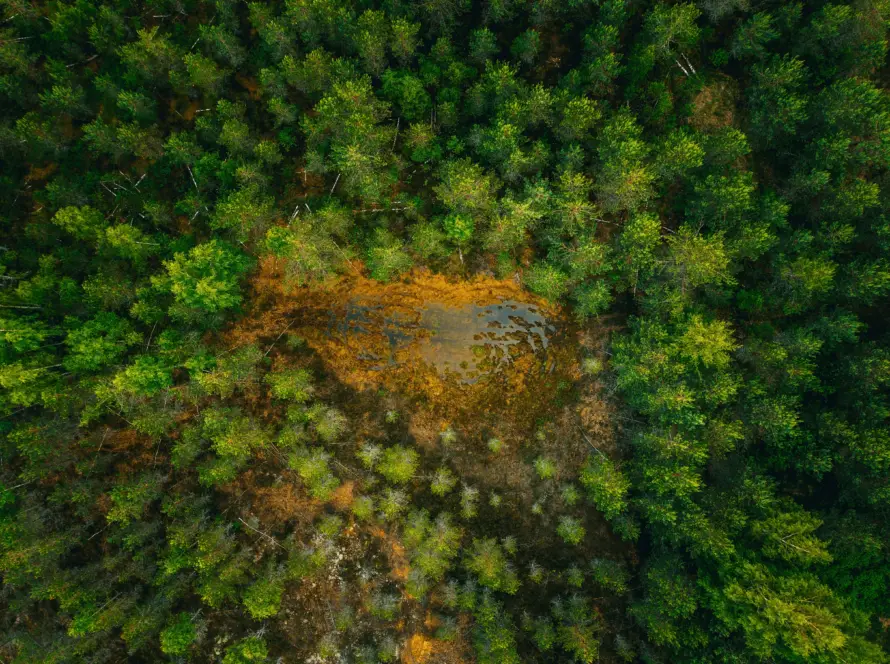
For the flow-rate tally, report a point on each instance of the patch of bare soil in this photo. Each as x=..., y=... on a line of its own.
x=714, y=106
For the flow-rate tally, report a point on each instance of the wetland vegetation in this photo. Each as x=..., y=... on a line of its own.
x=444, y=331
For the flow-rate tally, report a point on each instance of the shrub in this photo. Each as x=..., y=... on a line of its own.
x=293, y=384
x=443, y=482
x=571, y=530
x=363, y=508
x=247, y=651
x=369, y=454
x=399, y=464
x=392, y=504
x=469, y=498
x=312, y=467
x=490, y=565
x=545, y=468
x=263, y=597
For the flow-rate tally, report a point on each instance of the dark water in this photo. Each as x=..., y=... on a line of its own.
x=466, y=342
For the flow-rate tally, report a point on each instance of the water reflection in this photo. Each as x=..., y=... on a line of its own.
x=465, y=342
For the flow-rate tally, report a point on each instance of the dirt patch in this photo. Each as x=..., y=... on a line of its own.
x=422, y=649
x=714, y=106
x=398, y=559
x=37, y=174
x=250, y=84
x=342, y=497
x=284, y=503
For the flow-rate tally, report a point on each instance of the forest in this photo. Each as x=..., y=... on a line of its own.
x=444, y=331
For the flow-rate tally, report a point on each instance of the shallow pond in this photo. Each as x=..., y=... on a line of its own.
x=462, y=341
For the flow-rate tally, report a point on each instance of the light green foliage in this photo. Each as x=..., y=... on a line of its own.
x=205, y=280
x=129, y=242
x=247, y=651
x=493, y=635
x=392, y=504
x=793, y=615
x=458, y=229
x=305, y=562
x=369, y=454
x=398, y=464
x=448, y=436
x=570, y=529
x=491, y=567
x=625, y=180
x=327, y=422
x=574, y=576
x=569, y=494
x=237, y=369
x=84, y=223
x=579, y=116
x=605, y=484
x=466, y=189
x=790, y=536
x=145, y=376
x=263, y=598
x=545, y=468
x=432, y=545
x=99, y=343
x=404, y=39
x=443, y=482
x=371, y=40
x=245, y=212
x=387, y=258
x=294, y=385
x=309, y=249
x=679, y=153
x=547, y=280
x=696, y=260
x=543, y=634
x=346, y=136
x=130, y=499
x=578, y=629
x=672, y=28
x=363, y=508
x=179, y=635
x=592, y=366
x=203, y=73
x=383, y=605
x=669, y=603
x=314, y=469
x=469, y=502
x=408, y=95
x=609, y=574
x=233, y=437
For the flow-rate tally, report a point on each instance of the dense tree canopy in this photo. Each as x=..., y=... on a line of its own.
x=704, y=179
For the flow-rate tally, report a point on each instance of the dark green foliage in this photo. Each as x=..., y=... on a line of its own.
x=706, y=181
